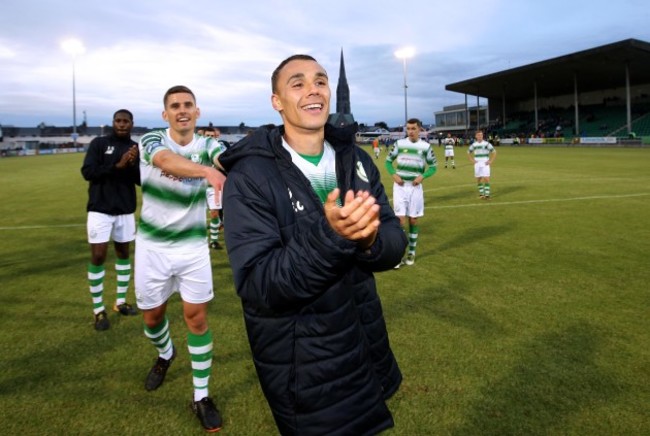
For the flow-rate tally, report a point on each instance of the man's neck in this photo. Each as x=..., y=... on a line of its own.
x=305, y=142
x=181, y=138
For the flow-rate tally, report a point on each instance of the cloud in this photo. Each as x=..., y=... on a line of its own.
x=226, y=51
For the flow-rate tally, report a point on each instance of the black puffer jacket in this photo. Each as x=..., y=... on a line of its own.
x=313, y=316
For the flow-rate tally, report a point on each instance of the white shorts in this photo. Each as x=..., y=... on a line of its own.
x=102, y=228
x=481, y=169
x=214, y=201
x=449, y=153
x=408, y=200
x=158, y=274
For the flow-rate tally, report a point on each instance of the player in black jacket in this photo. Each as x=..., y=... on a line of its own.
x=112, y=170
x=311, y=225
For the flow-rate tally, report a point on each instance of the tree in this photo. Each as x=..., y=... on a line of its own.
x=382, y=124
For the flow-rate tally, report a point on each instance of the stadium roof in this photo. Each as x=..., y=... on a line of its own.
x=597, y=68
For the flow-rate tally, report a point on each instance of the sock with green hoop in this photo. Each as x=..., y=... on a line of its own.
x=486, y=189
x=413, y=238
x=215, y=223
x=96, y=282
x=123, y=271
x=481, y=192
x=200, y=348
x=160, y=338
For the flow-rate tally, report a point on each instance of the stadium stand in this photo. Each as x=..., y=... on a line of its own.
x=599, y=80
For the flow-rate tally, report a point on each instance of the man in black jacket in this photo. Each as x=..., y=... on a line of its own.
x=111, y=168
x=311, y=224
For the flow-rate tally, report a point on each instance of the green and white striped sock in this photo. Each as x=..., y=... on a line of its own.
x=214, y=229
x=200, y=347
x=123, y=271
x=160, y=338
x=413, y=238
x=96, y=275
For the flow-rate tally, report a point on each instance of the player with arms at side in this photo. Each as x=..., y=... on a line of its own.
x=415, y=162
x=214, y=201
x=482, y=158
x=171, y=252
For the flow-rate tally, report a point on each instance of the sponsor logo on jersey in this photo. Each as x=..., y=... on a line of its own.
x=109, y=150
x=191, y=180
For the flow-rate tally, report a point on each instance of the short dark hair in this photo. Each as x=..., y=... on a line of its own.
x=414, y=121
x=178, y=89
x=276, y=72
x=123, y=111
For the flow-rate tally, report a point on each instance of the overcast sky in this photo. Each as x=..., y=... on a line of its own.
x=226, y=50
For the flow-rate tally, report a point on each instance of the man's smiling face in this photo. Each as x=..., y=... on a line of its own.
x=303, y=95
x=181, y=112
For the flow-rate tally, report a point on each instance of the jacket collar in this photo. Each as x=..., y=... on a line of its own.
x=266, y=141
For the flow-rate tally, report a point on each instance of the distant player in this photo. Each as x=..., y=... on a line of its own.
x=214, y=200
x=415, y=162
x=482, y=158
x=375, y=147
x=449, y=150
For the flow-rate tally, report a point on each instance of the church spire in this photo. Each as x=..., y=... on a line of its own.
x=342, y=90
x=343, y=115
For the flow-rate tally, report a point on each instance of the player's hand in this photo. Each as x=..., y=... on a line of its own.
x=357, y=220
x=215, y=178
x=133, y=154
x=397, y=179
x=128, y=158
x=417, y=180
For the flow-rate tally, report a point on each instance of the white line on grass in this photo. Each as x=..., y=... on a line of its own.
x=41, y=227
x=550, y=200
x=484, y=203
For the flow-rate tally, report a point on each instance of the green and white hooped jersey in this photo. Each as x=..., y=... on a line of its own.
x=321, y=176
x=173, y=208
x=449, y=144
x=481, y=150
x=412, y=158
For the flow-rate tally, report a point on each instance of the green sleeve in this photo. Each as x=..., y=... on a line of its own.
x=430, y=171
x=389, y=167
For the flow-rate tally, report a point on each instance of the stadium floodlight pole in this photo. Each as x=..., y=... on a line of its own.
x=73, y=47
x=404, y=54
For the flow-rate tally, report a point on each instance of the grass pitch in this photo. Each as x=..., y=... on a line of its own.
x=525, y=314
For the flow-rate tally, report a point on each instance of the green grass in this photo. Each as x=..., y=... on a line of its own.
x=526, y=315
